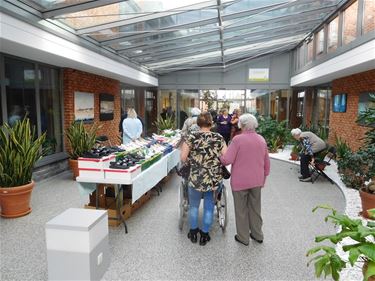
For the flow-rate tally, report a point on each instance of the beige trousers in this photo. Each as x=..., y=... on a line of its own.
x=247, y=208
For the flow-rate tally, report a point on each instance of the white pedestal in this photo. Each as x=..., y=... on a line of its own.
x=77, y=245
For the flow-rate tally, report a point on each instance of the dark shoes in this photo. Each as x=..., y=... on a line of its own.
x=192, y=235
x=205, y=237
x=239, y=241
x=259, y=241
x=308, y=179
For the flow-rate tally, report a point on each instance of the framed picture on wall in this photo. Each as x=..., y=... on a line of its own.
x=83, y=107
x=107, y=107
x=339, y=103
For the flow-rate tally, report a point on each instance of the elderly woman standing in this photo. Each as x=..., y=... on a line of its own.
x=202, y=149
x=312, y=145
x=248, y=155
x=131, y=127
x=191, y=122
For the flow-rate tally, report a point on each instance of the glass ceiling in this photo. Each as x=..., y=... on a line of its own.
x=169, y=35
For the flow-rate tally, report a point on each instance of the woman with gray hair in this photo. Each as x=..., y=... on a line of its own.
x=248, y=154
x=190, y=124
x=131, y=126
x=311, y=145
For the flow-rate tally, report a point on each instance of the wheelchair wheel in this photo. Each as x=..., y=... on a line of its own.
x=182, y=206
x=222, y=211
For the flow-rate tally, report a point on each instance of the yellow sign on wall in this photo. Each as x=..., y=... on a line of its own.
x=259, y=74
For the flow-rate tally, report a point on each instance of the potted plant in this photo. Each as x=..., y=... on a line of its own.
x=165, y=124
x=294, y=155
x=19, y=151
x=361, y=250
x=81, y=140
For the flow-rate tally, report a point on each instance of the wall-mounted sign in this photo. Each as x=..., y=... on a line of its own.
x=107, y=107
x=259, y=74
x=84, y=106
x=339, y=103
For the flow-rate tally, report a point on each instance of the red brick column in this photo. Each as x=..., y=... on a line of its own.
x=344, y=124
x=75, y=80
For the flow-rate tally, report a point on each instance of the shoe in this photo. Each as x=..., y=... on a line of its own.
x=305, y=179
x=205, y=237
x=300, y=177
x=192, y=235
x=259, y=241
x=239, y=241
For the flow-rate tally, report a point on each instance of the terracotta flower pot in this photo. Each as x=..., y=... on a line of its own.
x=368, y=202
x=73, y=164
x=15, y=201
x=364, y=269
x=293, y=156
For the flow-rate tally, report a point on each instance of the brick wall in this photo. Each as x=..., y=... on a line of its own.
x=74, y=80
x=344, y=124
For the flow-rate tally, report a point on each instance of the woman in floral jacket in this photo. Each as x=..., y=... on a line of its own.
x=202, y=149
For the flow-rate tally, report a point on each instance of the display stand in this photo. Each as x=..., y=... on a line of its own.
x=141, y=184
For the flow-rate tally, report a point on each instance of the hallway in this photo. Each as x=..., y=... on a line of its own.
x=155, y=249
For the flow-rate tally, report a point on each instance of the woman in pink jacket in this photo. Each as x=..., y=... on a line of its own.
x=248, y=155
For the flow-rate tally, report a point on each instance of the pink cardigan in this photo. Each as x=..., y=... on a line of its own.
x=248, y=154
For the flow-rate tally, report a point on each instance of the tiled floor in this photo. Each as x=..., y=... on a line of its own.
x=154, y=248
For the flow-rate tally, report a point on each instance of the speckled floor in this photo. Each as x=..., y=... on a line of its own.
x=155, y=249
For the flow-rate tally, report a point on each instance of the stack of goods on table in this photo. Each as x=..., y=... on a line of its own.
x=128, y=160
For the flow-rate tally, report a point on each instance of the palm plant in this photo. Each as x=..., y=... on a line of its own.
x=81, y=139
x=19, y=151
x=165, y=124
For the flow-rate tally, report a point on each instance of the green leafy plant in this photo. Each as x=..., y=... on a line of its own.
x=81, y=139
x=165, y=124
x=342, y=148
x=296, y=148
x=275, y=133
x=363, y=249
x=358, y=167
x=20, y=149
x=209, y=98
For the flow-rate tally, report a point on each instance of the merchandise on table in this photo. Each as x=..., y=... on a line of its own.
x=128, y=160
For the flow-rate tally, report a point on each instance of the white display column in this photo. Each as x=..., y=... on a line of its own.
x=77, y=245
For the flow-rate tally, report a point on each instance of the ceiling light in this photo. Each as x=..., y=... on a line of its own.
x=138, y=51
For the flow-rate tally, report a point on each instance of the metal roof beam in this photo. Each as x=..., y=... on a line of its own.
x=187, y=38
x=50, y=13
x=156, y=15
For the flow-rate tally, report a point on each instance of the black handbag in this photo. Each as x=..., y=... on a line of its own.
x=224, y=172
x=184, y=171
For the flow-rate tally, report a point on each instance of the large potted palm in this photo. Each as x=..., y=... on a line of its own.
x=20, y=149
x=81, y=139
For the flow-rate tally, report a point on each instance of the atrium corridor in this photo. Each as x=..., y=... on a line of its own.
x=155, y=249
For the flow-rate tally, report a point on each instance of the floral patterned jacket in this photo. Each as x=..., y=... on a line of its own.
x=205, y=167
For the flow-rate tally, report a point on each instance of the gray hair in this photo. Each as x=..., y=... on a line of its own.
x=132, y=113
x=248, y=122
x=195, y=111
x=296, y=132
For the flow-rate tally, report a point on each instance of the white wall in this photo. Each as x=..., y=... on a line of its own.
x=233, y=78
x=21, y=39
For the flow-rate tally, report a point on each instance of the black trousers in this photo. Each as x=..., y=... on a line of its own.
x=304, y=163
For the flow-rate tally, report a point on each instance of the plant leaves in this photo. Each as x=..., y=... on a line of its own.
x=370, y=270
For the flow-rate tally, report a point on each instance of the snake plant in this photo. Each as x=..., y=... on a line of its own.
x=19, y=151
x=81, y=139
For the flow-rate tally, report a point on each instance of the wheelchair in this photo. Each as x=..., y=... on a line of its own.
x=220, y=210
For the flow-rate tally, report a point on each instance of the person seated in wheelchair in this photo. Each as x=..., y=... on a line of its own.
x=202, y=150
x=311, y=145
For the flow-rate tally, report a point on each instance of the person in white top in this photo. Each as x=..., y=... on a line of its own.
x=132, y=127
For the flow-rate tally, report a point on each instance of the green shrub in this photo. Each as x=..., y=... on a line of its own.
x=20, y=149
x=275, y=133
